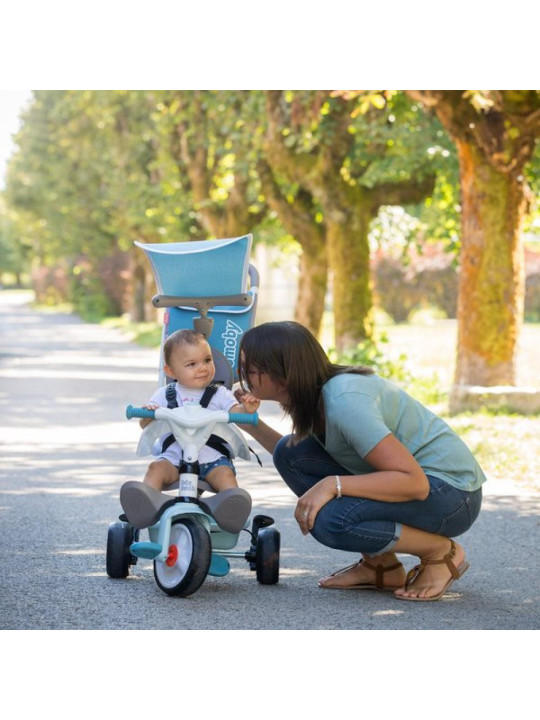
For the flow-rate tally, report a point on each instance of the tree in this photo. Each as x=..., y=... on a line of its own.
x=14, y=247
x=212, y=138
x=87, y=173
x=353, y=153
x=495, y=133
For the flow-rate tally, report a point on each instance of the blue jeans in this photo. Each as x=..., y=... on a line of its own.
x=372, y=526
x=205, y=468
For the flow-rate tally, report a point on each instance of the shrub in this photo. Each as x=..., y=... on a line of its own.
x=415, y=280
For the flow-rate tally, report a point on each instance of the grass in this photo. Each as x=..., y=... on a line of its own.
x=147, y=334
x=505, y=444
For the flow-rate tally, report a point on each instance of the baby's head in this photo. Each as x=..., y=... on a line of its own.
x=188, y=358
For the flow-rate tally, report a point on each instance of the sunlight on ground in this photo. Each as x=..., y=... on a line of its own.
x=85, y=551
x=72, y=491
x=63, y=374
x=66, y=359
x=81, y=435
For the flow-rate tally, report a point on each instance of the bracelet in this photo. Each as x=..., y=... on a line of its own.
x=338, y=486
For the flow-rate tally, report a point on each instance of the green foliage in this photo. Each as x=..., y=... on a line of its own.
x=96, y=170
x=88, y=297
x=370, y=353
x=14, y=249
x=146, y=334
x=380, y=137
x=396, y=367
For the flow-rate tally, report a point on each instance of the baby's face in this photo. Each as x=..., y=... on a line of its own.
x=192, y=365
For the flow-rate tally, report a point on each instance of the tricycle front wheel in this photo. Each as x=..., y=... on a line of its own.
x=188, y=561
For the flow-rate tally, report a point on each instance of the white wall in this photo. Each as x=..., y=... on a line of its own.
x=278, y=283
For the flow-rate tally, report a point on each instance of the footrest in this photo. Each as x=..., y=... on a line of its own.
x=219, y=566
x=142, y=504
x=230, y=508
x=148, y=550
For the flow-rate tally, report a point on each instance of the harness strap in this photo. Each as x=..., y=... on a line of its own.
x=214, y=441
x=170, y=395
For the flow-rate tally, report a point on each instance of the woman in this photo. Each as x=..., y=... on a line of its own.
x=375, y=471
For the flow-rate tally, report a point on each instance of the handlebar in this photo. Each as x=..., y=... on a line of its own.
x=239, y=418
x=244, y=418
x=135, y=412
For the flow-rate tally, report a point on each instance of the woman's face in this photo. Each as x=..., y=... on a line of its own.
x=262, y=386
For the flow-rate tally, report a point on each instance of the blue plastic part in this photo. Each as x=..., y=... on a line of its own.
x=132, y=412
x=206, y=268
x=179, y=267
x=230, y=324
x=244, y=418
x=219, y=566
x=148, y=550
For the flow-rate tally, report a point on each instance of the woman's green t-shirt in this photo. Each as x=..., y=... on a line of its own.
x=361, y=410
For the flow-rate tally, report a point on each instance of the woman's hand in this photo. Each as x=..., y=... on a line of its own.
x=308, y=506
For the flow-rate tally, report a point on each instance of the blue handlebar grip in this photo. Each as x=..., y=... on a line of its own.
x=132, y=412
x=244, y=418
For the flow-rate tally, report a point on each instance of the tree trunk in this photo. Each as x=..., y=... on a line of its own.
x=312, y=283
x=491, y=288
x=348, y=251
x=495, y=133
x=298, y=218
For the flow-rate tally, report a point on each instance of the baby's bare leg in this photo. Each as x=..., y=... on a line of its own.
x=221, y=478
x=160, y=474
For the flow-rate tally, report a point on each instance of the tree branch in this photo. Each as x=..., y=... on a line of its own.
x=406, y=193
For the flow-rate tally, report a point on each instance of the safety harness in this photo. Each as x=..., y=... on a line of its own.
x=214, y=441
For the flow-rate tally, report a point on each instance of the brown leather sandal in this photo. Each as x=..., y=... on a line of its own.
x=377, y=585
x=447, y=560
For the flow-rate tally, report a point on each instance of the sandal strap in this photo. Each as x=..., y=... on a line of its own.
x=447, y=560
x=379, y=572
x=414, y=573
x=343, y=570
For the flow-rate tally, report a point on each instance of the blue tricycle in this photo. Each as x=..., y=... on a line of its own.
x=192, y=534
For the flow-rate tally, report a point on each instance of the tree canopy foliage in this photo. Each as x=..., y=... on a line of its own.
x=96, y=170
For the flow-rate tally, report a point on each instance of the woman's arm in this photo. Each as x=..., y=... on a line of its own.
x=263, y=434
x=397, y=478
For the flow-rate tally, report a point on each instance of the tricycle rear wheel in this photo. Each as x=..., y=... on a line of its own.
x=118, y=559
x=267, y=555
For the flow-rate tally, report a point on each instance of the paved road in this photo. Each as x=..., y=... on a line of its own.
x=65, y=451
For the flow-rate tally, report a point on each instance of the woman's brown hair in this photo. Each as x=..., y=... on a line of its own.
x=292, y=356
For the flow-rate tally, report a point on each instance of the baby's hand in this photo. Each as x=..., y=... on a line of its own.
x=143, y=422
x=250, y=403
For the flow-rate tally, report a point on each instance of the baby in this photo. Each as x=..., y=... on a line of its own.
x=188, y=359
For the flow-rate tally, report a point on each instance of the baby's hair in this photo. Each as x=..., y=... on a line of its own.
x=180, y=338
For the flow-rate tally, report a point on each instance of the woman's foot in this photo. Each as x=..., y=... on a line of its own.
x=383, y=572
x=435, y=574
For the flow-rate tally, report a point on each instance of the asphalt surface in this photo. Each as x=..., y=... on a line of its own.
x=66, y=449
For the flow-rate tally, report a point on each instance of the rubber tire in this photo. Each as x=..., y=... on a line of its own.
x=267, y=556
x=185, y=578
x=118, y=557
